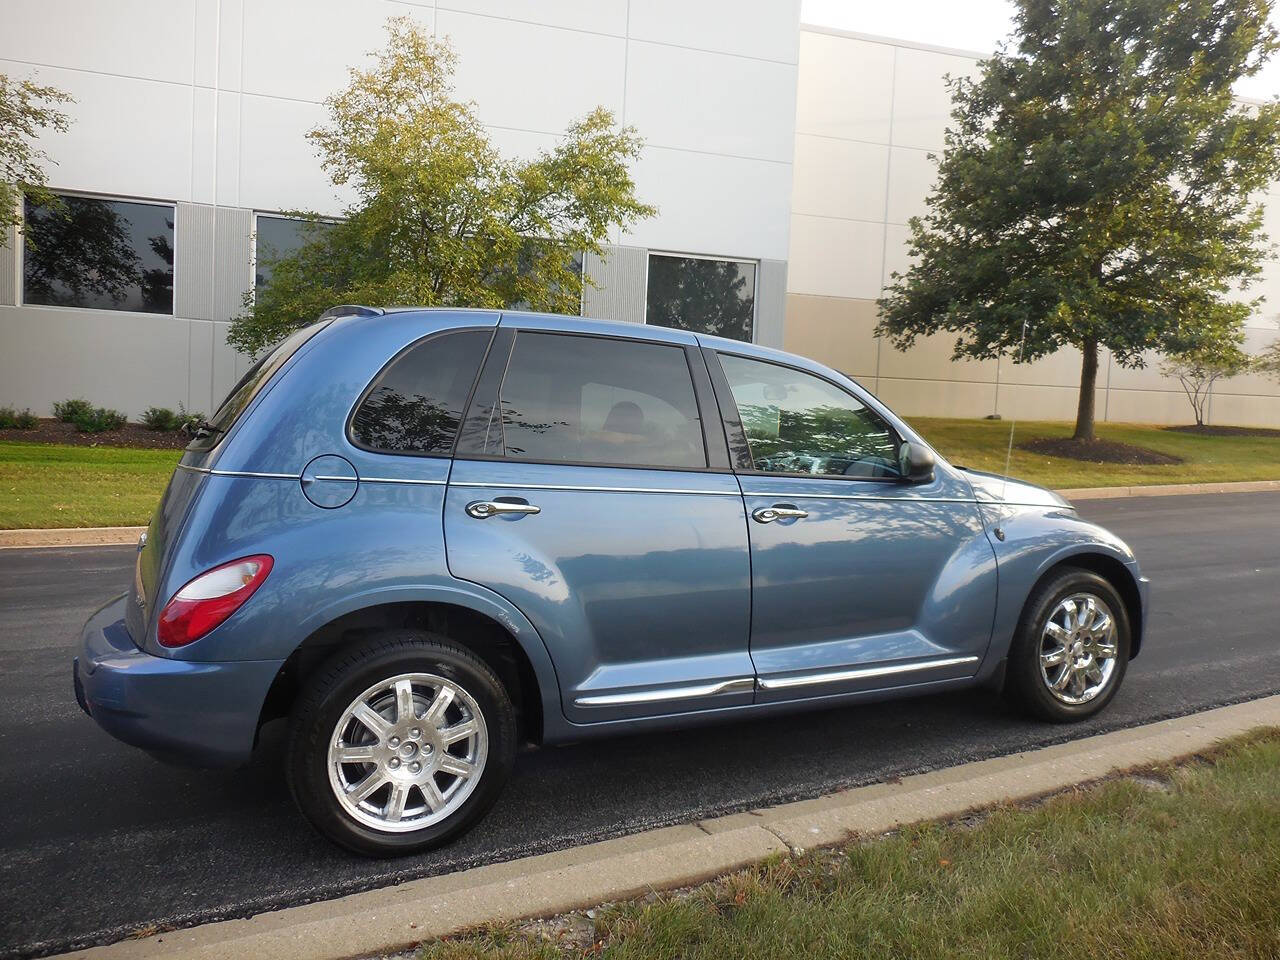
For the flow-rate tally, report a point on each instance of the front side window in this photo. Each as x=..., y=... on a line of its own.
x=276, y=238
x=416, y=403
x=706, y=296
x=798, y=423
x=98, y=254
x=595, y=400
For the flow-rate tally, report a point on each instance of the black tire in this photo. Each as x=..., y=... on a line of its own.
x=336, y=684
x=1025, y=683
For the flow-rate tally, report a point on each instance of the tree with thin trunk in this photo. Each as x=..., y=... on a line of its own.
x=1197, y=369
x=1098, y=188
x=439, y=216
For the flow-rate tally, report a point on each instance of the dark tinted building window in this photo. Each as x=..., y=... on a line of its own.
x=280, y=237
x=596, y=400
x=102, y=254
x=706, y=296
x=417, y=402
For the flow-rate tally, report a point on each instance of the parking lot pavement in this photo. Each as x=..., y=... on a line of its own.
x=100, y=840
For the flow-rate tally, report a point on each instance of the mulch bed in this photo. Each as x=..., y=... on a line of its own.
x=1097, y=451
x=1211, y=431
x=132, y=435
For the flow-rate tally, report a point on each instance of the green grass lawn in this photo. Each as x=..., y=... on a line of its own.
x=48, y=485
x=1183, y=866
x=982, y=444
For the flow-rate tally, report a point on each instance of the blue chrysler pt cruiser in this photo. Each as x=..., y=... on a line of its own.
x=427, y=536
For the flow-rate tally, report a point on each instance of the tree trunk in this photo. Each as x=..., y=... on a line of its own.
x=1088, y=381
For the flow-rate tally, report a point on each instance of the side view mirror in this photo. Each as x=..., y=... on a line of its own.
x=915, y=462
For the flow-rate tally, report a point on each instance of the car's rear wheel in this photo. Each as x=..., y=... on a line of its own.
x=400, y=742
x=1071, y=647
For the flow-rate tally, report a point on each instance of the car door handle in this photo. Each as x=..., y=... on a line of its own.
x=483, y=509
x=779, y=511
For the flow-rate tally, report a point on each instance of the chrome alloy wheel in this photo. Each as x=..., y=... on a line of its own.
x=407, y=752
x=1078, y=648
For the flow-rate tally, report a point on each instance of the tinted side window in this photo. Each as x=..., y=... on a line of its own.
x=798, y=423
x=415, y=404
x=595, y=400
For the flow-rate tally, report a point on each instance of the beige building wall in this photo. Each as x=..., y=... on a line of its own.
x=869, y=113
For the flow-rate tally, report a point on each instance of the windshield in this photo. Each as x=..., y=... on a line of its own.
x=255, y=378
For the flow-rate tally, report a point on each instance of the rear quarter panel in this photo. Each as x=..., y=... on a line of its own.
x=384, y=546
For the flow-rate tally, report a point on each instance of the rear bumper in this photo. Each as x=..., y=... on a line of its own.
x=202, y=714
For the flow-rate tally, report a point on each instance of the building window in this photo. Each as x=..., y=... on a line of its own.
x=99, y=254
x=525, y=266
x=703, y=295
x=276, y=238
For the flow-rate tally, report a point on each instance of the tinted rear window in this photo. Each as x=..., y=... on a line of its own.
x=417, y=401
x=255, y=378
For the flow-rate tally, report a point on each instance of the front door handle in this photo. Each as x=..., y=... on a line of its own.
x=483, y=509
x=779, y=511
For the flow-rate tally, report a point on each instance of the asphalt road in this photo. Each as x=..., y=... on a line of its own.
x=99, y=840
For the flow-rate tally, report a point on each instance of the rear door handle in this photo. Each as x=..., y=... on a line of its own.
x=779, y=511
x=484, y=509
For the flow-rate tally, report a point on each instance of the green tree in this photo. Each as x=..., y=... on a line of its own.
x=440, y=218
x=1199, y=367
x=25, y=109
x=1097, y=187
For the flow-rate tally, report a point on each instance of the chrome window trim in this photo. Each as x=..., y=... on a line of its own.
x=577, y=488
x=736, y=685
x=238, y=473
x=860, y=673
x=787, y=494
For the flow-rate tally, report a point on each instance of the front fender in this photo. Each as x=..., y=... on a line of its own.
x=1029, y=541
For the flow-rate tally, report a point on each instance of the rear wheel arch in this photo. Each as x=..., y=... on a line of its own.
x=469, y=628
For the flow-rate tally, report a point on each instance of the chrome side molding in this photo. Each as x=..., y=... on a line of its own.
x=860, y=673
x=748, y=684
x=736, y=685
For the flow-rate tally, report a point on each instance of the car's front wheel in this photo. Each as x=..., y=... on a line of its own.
x=1071, y=647
x=400, y=742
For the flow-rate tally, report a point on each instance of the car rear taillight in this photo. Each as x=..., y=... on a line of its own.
x=210, y=598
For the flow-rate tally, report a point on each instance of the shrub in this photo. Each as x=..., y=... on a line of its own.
x=99, y=419
x=68, y=410
x=160, y=418
x=11, y=419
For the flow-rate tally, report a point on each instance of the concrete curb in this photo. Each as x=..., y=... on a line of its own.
x=1169, y=490
x=70, y=537
x=104, y=536
x=396, y=918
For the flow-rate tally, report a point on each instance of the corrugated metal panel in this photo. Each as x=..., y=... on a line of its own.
x=620, y=279
x=771, y=302
x=9, y=266
x=193, y=253
x=231, y=251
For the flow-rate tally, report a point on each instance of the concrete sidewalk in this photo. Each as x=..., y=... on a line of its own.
x=396, y=918
x=106, y=536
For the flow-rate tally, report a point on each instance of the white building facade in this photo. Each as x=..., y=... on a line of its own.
x=790, y=155
x=193, y=112
x=870, y=113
